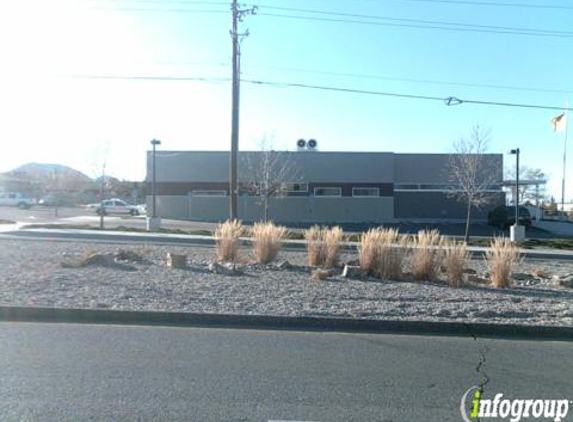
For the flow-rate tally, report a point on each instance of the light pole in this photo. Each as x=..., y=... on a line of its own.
x=154, y=222
x=517, y=232
x=154, y=142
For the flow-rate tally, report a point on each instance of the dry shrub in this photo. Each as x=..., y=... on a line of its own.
x=382, y=253
x=314, y=247
x=369, y=249
x=427, y=255
x=455, y=257
x=332, y=240
x=502, y=259
x=323, y=245
x=267, y=241
x=227, y=237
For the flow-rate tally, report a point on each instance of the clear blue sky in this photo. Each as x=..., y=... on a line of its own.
x=48, y=117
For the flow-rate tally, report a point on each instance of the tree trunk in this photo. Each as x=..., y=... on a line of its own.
x=468, y=220
x=266, y=209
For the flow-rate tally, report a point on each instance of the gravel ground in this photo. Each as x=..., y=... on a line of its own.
x=31, y=275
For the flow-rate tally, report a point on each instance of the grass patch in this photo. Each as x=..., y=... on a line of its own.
x=227, y=240
x=323, y=246
x=267, y=241
x=455, y=258
x=502, y=260
x=427, y=255
x=382, y=253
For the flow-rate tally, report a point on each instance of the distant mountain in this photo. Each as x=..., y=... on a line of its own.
x=38, y=172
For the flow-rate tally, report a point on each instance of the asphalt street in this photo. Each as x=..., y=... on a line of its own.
x=66, y=372
x=81, y=216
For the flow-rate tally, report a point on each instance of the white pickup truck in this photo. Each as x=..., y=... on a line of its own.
x=14, y=199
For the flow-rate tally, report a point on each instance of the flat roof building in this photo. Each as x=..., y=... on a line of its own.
x=316, y=186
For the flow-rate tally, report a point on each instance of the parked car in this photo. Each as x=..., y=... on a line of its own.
x=504, y=216
x=14, y=199
x=142, y=208
x=114, y=206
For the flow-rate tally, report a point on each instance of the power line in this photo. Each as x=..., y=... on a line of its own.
x=449, y=101
x=495, y=4
x=432, y=22
x=554, y=34
x=454, y=2
x=425, y=81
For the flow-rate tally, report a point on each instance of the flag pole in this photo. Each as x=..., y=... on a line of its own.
x=564, y=161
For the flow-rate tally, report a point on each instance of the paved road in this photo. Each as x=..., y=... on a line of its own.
x=80, y=216
x=63, y=372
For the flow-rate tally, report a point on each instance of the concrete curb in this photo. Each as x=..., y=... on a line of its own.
x=262, y=322
x=179, y=239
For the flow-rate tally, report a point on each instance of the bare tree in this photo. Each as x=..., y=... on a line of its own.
x=269, y=173
x=471, y=172
x=99, y=163
x=532, y=193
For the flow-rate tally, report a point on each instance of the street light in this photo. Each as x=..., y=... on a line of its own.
x=516, y=233
x=516, y=153
x=154, y=143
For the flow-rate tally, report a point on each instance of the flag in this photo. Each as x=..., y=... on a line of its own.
x=559, y=122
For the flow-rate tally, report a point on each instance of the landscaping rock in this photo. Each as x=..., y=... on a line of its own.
x=128, y=256
x=352, y=271
x=469, y=271
x=100, y=259
x=283, y=265
x=228, y=269
x=566, y=282
x=477, y=280
x=520, y=276
x=176, y=260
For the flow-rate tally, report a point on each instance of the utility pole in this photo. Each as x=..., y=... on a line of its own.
x=236, y=38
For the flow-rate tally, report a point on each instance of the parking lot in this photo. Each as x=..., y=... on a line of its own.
x=82, y=216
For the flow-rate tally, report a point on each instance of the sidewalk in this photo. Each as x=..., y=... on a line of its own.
x=21, y=232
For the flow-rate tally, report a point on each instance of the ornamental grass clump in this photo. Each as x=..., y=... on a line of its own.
x=427, y=255
x=323, y=246
x=227, y=240
x=502, y=259
x=455, y=258
x=267, y=241
x=382, y=253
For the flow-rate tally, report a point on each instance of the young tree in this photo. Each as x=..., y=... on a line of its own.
x=268, y=172
x=532, y=193
x=99, y=163
x=471, y=172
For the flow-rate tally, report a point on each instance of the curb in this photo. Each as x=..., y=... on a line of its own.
x=177, y=239
x=284, y=323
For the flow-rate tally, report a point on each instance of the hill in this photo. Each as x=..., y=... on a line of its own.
x=41, y=172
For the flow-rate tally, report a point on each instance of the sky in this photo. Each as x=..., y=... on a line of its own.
x=81, y=80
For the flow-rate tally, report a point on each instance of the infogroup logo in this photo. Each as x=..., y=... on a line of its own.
x=513, y=409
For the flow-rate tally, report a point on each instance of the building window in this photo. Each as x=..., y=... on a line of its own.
x=362, y=192
x=329, y=191
x=295, y=187
x=209, y=193
x=402, y=186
